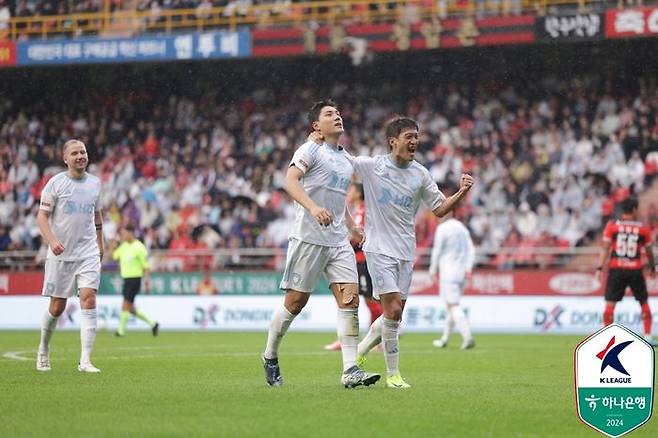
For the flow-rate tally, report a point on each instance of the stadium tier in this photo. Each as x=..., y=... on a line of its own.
x=203, y=165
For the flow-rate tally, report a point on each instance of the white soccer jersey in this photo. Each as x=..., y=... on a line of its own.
x=393, y=195
x=327, y=176
x=72, y=204
x=453, y=253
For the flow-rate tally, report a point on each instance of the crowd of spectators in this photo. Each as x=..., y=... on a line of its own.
x=199, y=172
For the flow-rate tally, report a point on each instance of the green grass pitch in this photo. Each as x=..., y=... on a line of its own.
x=211, y=384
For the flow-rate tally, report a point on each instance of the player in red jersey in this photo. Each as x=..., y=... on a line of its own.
x=623, y=240
x=358, y=211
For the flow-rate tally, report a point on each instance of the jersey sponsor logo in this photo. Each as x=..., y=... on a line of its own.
x=574, y=283
x=338, y=182
x=71, y=207
x=388, y=197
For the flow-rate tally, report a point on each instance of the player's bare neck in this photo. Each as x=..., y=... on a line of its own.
x=332, y=140
x=74, y=174
x=399, y=161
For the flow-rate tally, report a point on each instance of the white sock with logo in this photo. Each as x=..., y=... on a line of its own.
x=348, y=335
x=48, y=325
x=461, y=322
x=390, y=337
x=281, y=320
x=373, y=337
x=87, y=334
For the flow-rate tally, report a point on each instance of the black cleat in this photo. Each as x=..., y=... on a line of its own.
x=272, y=372
x=155, y=329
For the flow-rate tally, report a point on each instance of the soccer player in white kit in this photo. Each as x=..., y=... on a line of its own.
x=319, y=244
x=71, y=223
x=453, y=255
x=394, y=187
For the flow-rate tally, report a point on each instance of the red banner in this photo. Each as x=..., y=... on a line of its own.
x=387, y=37
x=7, y=53
x=525, y=283
x=636, y=22
x=21, y=283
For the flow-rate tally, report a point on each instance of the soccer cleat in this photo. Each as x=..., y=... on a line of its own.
x=43, y=362
x=361, y=360
x=468, y=344
x=119, y=335
x=88, y=368
x=396, y=381
x=440, y=343
x=334, y=346
x=272, y=372
x=355, y=376
x=155, y=329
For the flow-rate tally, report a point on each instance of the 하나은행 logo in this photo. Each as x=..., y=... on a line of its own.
x=614, y=379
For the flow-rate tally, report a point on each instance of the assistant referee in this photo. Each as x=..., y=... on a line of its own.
x=133, y=263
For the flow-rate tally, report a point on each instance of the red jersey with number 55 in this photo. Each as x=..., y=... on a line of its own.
x=627, y=238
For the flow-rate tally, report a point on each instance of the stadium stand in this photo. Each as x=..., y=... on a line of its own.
x=203, y=167
x=47, y=18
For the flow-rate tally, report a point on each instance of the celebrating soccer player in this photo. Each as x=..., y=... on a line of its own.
x=624, y=238
x=394, y=187
x=71, y=223
x=319, y=243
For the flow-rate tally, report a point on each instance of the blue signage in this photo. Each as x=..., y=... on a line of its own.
x=207, y=45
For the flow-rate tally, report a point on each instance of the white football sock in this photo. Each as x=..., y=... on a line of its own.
x=48, y=325
x=461, y=322
x=281, y=320
x=87, y=334
x=391, y=345
x=348, y=335
x=449, y=324
x=374, y=337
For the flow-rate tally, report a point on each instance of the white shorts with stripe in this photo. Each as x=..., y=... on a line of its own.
x=389, y=274
x=305, y=262
x=63, y=279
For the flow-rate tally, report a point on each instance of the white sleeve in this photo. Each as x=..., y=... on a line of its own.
x=304, y=157
x=436, y=250
x=431, y=195
x=360, y=164
x=48, y=196
x=470, y=252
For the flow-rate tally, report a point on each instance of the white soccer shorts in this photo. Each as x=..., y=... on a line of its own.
x=451, y=291
x=63, y=279
x=389, y=275
x=305, y=262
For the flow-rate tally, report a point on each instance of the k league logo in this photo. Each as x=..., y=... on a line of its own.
x=614, y=376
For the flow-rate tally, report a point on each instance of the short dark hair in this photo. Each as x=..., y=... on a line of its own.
x=629, y=205
x=129, y=227
x=398, y=124
x=314, y=112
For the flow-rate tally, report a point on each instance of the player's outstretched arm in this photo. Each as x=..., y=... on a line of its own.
x=465, y=184
x=47, y=234
x=297, y=192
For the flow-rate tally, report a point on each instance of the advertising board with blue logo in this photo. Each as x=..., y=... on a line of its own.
x=194, y=46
